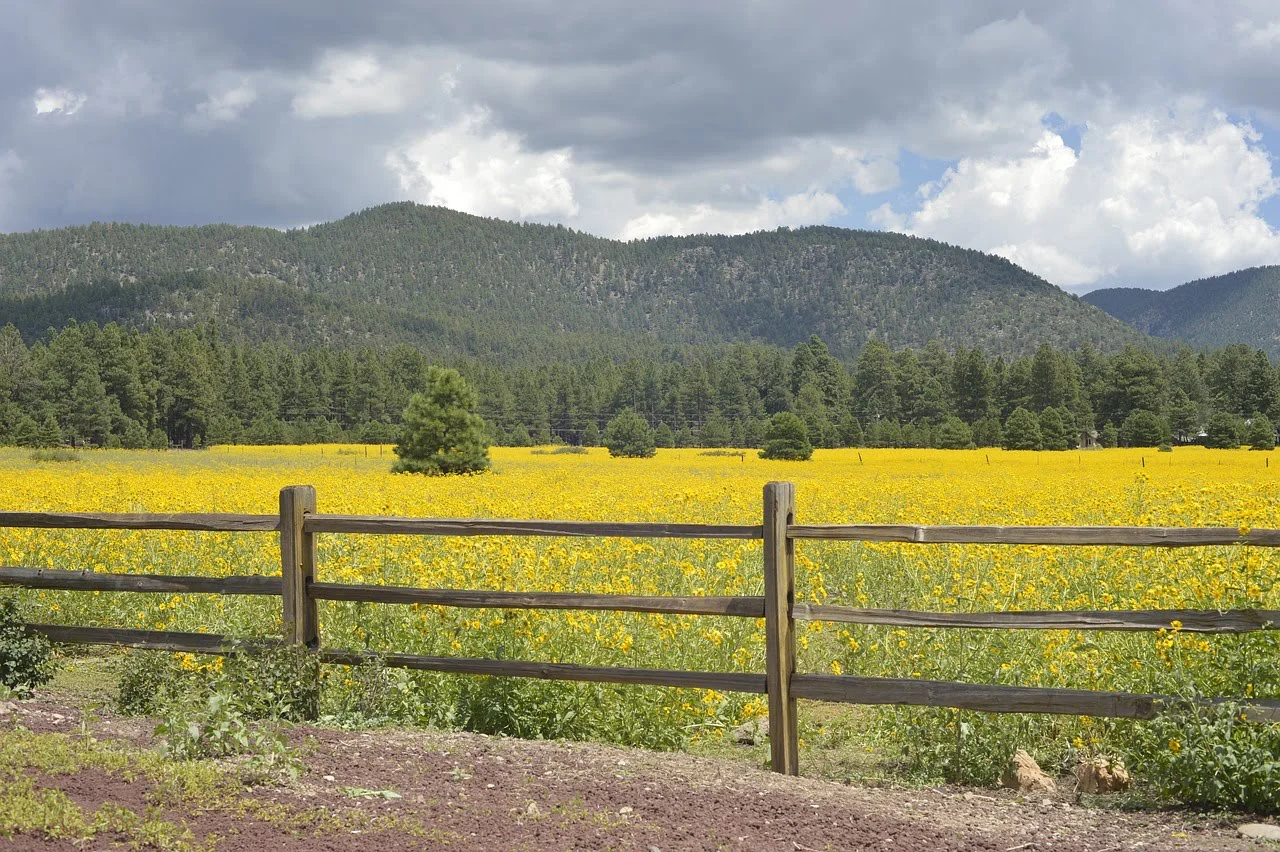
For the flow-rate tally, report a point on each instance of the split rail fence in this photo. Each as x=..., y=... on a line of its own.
x=298, y=523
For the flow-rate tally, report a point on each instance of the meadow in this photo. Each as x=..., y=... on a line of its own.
x=1188, y=487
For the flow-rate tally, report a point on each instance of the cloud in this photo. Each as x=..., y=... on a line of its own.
x=226, y=103
x=1150, y=199
x=767, y=214
x=347, y=83
x=471, y=166
x=57, y=100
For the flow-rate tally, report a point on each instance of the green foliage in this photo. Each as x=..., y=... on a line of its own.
x=1022, y=431
x=1143, y=429
x=629, y=436
x=663, y=436
x=1054, y=434
x=561, y=451
x=55, y=456
x=1261, y=434
x=1225, y=431
x=591, y=435
x=953, y=434
x=786, y=439
x=987, y=432
x=1109, y=436
x=1212, y=754
x=442, y=434
x=215, y=725
x=26, y=661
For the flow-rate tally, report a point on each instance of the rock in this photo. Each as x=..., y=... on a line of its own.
x=1024, y=775
x=7, y=707
x=752, y=731
x=533, y=810
x=1101, y=775
x=1260, y=831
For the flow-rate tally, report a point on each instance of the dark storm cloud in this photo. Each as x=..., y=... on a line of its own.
x=655, y=88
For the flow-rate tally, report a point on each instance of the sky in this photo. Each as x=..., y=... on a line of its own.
x=1095, y=143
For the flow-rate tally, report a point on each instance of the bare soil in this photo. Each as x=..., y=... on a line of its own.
x=391, y=790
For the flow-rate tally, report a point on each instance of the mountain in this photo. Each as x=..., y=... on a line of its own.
x=1240, y=307
x=457, y=284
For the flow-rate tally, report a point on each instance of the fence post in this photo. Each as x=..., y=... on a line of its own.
x=298, y=566
x=780, y=636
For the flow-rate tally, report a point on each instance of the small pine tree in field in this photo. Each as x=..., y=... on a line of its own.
x=441, y=433
x=953, y=434
x=663, y=436
x=1262, y=435
x=786, y=438
x=1110, y=436
x=629, y=436
x=1143, y=429
x=591, y=435
x=1022, y=431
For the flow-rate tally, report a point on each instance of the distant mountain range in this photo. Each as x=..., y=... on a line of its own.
x=456, y=284
x=1240, y=307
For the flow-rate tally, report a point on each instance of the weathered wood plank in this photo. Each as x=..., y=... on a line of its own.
x=1120, y=536
x=1191, y=620
x=721, y=681
x=102, y=521
x=298, y=565
x=484, y=526
x=89, y=581
x=780, y=636
x=746, y=607
x=156, y=640
x=994, y=699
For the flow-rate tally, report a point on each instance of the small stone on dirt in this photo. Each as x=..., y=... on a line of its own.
x=1102, y=775
x=625, y=810
x=533, y=810
x=751, y=732
x=1024, y=775
x=330, y=778
x=7, y=707
x=1260, y=831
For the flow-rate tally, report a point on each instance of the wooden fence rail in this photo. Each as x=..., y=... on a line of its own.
x=298, y=523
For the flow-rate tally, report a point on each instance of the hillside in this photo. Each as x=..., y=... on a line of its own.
x=1240, y=307
x=459, y=284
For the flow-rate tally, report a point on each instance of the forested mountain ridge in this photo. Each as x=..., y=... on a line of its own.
x=1240, y=307
x=460, y=285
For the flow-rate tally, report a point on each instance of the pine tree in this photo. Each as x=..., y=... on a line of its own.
x=629, y=436
x=786, y=439
x=1262, y=434
x=591, y=435
x=441, y=433
x=1022, y=431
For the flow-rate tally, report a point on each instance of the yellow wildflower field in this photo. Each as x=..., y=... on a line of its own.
x=1188, y=487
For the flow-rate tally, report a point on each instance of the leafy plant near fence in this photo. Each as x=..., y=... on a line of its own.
x=26, y=661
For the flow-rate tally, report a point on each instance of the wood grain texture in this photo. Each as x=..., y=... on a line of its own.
x=780, y=638
x=1191, y=620
x=745, y=607
x=994, y=699
x=485, y=526
x=298, y=565
x=721, y=681
x=156, y=640
x=1120, y=536
x=101, y=521
x=89, y=581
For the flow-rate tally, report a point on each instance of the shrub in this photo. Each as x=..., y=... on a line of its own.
x=1144, y=429
x=55, y=456
x=26, y=661
x=591, y=435
x=215, y=725
x=442, y=434
x=1261, y=435
x=561, y=451
x=953, y=434
x=1022, y=431
x=1211, y=754
x=629, y=436
x=1225, y=431
x=1109, y=436
x=786, y=438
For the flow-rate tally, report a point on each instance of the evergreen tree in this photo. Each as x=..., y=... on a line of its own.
x=1053, y=432
x=629, y=436
x=953, y=434
x=715, y=433
x=1109, y=437
x=1022, y=431
x=663, y=436
x=1143, y=429
x=987, y=432
x=441, y=433
x=786, y=439
x=591, y=435
x=1225, y=431
x=1262, y=434
x=48, y=435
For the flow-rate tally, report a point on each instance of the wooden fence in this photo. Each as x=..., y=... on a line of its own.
x=298, y=523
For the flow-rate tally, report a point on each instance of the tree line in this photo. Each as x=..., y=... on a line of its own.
x=114, y=386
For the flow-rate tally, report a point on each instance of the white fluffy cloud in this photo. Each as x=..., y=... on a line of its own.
x=1150, y=199
x=225, y=103
x=348, y=83
x=57, y=100
x=469, y=165
x=766, y=214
